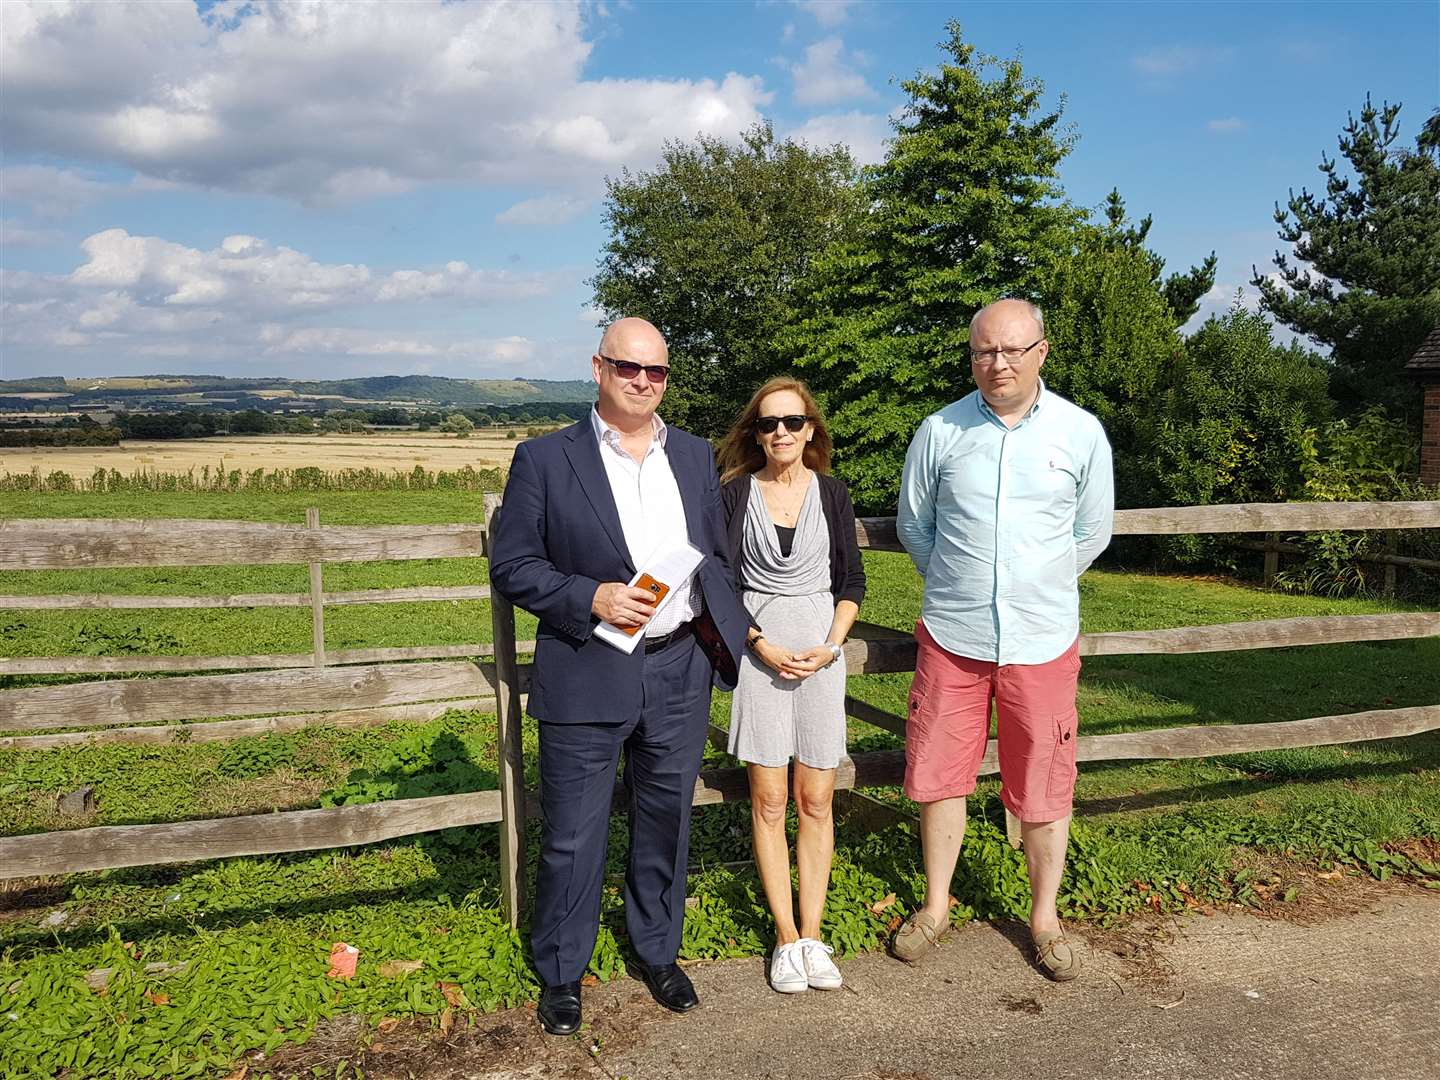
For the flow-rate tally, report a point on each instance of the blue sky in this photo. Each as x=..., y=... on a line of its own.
x=341, y=189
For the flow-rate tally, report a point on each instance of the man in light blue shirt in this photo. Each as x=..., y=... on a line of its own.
x=1007, y=497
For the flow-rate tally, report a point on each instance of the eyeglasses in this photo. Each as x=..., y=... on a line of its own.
x=766, y=425
x=1010, y=356
x=628, y=369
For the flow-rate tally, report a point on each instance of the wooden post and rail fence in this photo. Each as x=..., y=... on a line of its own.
x=351, y=688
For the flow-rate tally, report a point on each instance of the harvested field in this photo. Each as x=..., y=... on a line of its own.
x=400, y=451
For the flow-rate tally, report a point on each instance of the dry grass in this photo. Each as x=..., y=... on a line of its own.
x=399, y=451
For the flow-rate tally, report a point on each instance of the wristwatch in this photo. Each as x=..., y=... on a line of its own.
x=836, y=652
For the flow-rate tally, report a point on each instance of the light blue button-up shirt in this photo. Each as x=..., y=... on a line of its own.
x=1001, y=522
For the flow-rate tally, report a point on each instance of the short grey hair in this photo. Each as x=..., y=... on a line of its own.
x=1033, y=310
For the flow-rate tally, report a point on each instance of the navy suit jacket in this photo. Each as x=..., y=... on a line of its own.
x=558, y=536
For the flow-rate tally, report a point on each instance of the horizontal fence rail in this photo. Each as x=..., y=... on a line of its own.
x=100, y=665
x=879, y=532
x=77, y=544
x=225, y=730
x=109, y=847
x=134, y=701
x=135, y=601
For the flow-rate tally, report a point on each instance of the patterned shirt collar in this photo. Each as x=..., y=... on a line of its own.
x=608, y=436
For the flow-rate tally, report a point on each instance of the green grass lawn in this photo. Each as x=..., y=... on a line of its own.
x=254, y=933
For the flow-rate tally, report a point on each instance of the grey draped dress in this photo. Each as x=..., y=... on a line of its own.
x=772, y=719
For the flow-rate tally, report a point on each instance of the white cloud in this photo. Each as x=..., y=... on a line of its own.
x=828, y=12
x=17, y=234
x=1178, y=59
x=865, y=133
x=145, y=296
x=1226, y=125
x=332, y=101
x=545, y=210
x=827, y=76
x=51, y=192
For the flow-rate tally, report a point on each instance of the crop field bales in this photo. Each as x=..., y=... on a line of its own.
x=399, y=451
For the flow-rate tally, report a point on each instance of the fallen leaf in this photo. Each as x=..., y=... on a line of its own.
x=1169, y=1004
x=394, y=969
x=880, y=905
x=590, y=980
x=389, y=1024
x=343, y=959
x=1333, y=875
x=447, y=1020
x=98, y=979
x=895, y=923
x=240, y=1073
x=157, y=999
x=453, y=994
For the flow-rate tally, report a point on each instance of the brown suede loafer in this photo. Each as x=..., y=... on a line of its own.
x=1056, y=956
x=919, y=934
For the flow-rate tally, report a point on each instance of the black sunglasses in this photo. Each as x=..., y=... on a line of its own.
x=628, y=369
x=766, y=425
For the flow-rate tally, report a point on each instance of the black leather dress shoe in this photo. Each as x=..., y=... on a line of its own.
x=559, y=1008
x=670, y=986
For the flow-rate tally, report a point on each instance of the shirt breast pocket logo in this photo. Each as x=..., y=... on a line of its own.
x=1058, y=474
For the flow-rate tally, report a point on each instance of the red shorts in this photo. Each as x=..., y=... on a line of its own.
x=949, y=722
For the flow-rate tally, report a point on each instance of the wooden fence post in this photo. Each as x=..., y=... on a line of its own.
x=1391, y=546
x=317, y=596
x=1272, y=557
x=511, y=754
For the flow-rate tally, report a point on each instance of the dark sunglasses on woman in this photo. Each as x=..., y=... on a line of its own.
x=766, y=425
x=628, y=369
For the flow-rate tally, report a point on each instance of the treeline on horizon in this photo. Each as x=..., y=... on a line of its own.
x=771, y=256
x=83, y=430
x=422, y=389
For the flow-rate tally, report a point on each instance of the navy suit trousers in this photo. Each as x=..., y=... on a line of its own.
x=662, y=747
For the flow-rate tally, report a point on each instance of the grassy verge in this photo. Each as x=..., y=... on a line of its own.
x=208, y=961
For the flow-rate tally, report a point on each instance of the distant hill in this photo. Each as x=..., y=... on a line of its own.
x=420, y=389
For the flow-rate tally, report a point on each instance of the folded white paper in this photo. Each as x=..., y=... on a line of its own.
x=672, y=568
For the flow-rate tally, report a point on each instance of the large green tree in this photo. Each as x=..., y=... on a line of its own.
x=1231, y=419
x=965, y=209
x=1364, y=277
x=711, y=247
x=1112, y=319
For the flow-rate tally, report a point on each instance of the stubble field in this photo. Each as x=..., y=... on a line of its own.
x=397, y=451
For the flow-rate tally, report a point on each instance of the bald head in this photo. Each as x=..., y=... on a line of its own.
x=627, y=402
x=634, y=339
x=1009, y=310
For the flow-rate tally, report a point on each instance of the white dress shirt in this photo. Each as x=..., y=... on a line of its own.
x=652, y=516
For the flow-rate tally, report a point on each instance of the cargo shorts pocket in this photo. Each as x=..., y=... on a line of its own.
x=1062, y=762
x=919, y=720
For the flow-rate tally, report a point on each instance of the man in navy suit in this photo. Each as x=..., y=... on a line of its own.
x=584, y=508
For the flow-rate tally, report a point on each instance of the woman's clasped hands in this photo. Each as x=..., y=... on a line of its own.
x=792, y=664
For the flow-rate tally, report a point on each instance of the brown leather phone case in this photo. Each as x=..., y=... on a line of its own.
x=658, y=588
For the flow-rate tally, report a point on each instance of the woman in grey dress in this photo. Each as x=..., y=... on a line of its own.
x=792, y=543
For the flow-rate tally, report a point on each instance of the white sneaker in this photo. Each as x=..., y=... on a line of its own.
x=820, y=971
x=787, y=970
